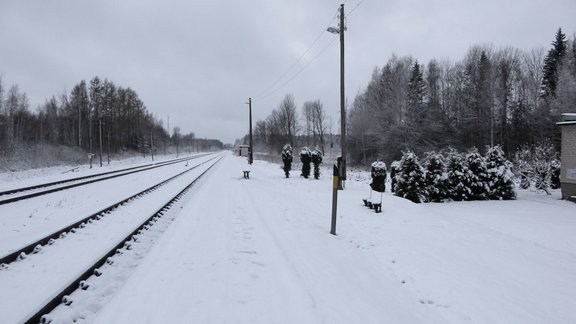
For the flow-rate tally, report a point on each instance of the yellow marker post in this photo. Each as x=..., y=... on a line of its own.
x=335, y=185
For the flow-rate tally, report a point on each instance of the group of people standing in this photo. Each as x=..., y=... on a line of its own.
x=307, y=156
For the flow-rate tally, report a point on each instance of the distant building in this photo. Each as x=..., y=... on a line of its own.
x=243, y=150
x=568, y=158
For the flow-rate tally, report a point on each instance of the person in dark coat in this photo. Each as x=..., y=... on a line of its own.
x=287, y=159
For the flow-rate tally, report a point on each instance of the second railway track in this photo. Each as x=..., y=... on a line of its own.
x=36, y=244
x=18, y=194
x=49, y=290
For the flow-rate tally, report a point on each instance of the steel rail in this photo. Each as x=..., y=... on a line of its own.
x=45, y=192
x=13, y=256
x=93, y=269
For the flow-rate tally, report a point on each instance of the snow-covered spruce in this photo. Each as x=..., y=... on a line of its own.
x=316, y=160
x=287, y=159
x=499, y=175
x=436, y=183
x=457, y=175
x=411, y=183
x=305, y=158
x=555, y=174
x=538, y=165
x=378, y=174
x=478, y=176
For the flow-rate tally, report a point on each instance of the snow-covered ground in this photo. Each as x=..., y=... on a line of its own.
x=258, y=250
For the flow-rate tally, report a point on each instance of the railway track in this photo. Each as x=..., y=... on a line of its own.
x=18, y=194
x=55, y=299
x=30, y=248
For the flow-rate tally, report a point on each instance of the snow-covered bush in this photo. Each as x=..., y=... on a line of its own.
x=457, y=175
x=316, y=160
x=499, y=177
x=555, y=174
x=305, y=158
x=478, y=176
x=287, y=159
x=538, y=166
x=436, y=183
x=410, y=181
x=523, y=167
x=394, y=167
x=378, y=174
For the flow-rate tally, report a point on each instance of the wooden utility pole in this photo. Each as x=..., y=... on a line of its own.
x=342, y=97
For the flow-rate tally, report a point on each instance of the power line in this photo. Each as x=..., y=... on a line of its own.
x=299, y=71
x=272, y=88
x=269, y=90
x=351, y=11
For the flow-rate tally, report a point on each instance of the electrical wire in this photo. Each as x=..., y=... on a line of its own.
x=273, y=89
x=301, y=70
x=270, y=88
x=351, y=11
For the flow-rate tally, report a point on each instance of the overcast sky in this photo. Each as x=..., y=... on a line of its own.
x=199, y=61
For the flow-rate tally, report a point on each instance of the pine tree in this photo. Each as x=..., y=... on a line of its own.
x=436, y=182
x=457, y=175
x=411, y=183
x=478, y=176
x=499, y=175
x=551, y=64
x=416, y=94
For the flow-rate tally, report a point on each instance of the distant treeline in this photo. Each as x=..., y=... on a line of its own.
x=90, y=116
x=503, y=97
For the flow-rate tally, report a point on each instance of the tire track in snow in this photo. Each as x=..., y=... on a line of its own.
x=258, y=216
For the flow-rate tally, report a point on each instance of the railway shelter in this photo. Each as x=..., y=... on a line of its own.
x=568, y=157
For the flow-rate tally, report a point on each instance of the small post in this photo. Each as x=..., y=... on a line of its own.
x=100, y=136
x=152, y=146
x=335, y=184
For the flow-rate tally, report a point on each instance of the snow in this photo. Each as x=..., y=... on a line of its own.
x=258, y=250
x=379, y=165
x=25, y=221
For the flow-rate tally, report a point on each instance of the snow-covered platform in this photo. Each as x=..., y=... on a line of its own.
x=258, y=250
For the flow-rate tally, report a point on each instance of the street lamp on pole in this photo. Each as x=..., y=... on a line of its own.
x=340, y=30
x=340, y=170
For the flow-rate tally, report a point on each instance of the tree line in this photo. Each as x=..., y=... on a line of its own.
x=93, y=116
x=285, y=125
x=504, y=97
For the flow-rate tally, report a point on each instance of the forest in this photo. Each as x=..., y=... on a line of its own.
x=98, y=117
x=493, y=96
x=505, y=97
